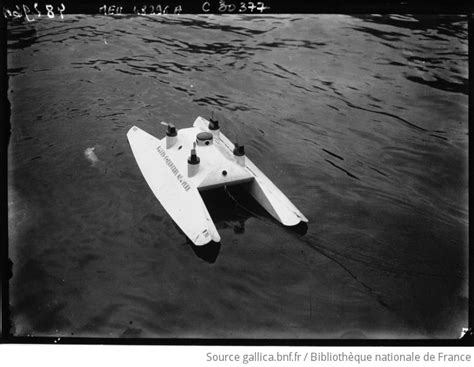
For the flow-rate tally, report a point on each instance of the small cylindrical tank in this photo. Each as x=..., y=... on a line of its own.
x=239, y=154
x=214, y=125
x=171, y=134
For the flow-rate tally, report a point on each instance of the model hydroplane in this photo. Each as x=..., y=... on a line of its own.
x=187, y=161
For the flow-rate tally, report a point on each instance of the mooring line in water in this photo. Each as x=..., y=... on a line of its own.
x=244, y=208
x=346, y=269
x=320, y=251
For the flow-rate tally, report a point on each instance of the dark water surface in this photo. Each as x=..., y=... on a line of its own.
x=361, y=121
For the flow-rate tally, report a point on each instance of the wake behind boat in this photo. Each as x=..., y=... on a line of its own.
x=198, y=158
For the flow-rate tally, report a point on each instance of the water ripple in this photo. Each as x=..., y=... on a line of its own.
x=445, y=85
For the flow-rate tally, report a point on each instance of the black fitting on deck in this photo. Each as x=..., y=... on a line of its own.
x=171, y=130
x=193, y=158
x=239, y=150
x=213, y=123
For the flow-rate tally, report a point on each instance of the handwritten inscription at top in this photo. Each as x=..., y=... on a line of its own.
x=146, y=9
x=234, y=7
x=31, y=14
x=208, y=6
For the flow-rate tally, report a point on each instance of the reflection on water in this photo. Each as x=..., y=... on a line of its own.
x=360, y=120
